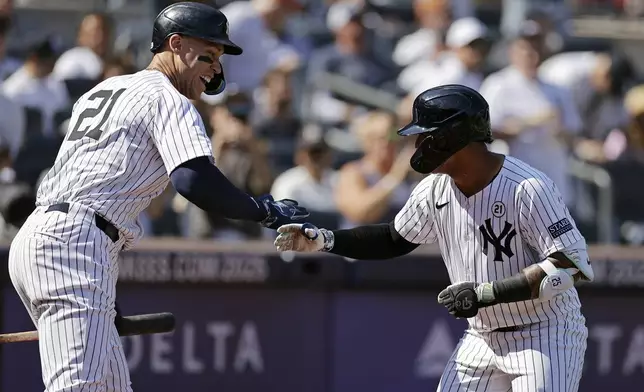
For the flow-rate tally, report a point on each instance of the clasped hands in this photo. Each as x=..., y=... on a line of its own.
x=280, y=212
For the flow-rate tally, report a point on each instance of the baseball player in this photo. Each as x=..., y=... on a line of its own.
x=128, y=137
x=512, y=250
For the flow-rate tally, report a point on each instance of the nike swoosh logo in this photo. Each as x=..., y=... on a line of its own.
x=439, y=206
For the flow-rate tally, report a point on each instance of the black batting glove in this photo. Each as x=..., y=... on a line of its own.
x=281, y=212
x=460, y=299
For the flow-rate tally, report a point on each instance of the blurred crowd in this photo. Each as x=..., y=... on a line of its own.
x=312, y=106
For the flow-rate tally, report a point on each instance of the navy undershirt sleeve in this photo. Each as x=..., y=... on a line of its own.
x=204, y=185
x=379, y=241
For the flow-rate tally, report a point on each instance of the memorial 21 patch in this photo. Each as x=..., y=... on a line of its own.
x=559, y=228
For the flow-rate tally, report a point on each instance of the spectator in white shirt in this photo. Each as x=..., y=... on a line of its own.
x=12, y=125
x=33, y=85
x=253, y=24
x=312, y=182
x=597, y=83
x=349, y=56
x=467, y=39
x=86, y=60
x=537, y=120
x=434, y=17
x=12, y=115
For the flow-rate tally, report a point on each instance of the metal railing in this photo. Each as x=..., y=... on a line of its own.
x=600, y=178
x=354, y=91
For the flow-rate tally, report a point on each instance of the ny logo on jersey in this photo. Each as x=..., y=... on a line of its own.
x=501, y=243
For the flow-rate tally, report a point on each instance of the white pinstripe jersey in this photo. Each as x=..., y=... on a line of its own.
x=519, y=219
x=125, y=137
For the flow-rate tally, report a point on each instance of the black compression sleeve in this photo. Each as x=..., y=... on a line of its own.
x=513, y=289
x=380, y=241
x=205, y=186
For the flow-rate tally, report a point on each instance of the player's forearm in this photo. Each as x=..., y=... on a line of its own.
x=380, y=241
x=204, y=185
x=524, y=286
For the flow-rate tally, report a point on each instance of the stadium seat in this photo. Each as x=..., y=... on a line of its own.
x=61, y=116
x=34, y=122
x=77, y=87
x=37, y=152
x=628, y=189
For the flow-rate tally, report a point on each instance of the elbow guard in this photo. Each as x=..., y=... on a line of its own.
x=557, y=280
x=578, y=255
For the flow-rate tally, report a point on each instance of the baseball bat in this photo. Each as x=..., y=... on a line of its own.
x=141, y=324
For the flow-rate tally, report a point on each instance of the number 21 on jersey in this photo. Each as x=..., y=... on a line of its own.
x=105, y=96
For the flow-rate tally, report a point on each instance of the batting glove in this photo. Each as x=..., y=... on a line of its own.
x=303, y=238
x=281, y=212
x=460, y=299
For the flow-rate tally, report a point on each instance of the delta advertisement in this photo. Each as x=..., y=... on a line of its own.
x=289, y=340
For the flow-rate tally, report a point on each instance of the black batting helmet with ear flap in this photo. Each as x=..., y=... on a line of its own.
x=446, y=119
x=217, y=84
x=196, y=20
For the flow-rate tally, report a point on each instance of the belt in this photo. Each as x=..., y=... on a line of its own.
x=508, y=329
x=103, y=224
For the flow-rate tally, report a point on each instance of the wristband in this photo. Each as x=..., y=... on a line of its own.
x=329, y=239
x=485, y=294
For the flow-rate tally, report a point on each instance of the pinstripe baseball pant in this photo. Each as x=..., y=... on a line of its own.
x=65, y=269
x=543, y=357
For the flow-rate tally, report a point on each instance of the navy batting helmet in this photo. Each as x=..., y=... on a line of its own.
x=199, y=21
x=446, y=118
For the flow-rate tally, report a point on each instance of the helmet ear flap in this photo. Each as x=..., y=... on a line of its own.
x=217, y=84
x=426, y=159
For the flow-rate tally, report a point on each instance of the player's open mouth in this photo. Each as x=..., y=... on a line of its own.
x=205, y=79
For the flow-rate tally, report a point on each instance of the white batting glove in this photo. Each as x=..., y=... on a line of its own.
x=303, y=238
